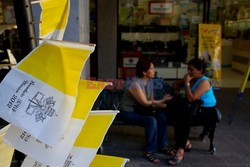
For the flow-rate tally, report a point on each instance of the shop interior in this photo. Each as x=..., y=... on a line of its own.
x=167, y=33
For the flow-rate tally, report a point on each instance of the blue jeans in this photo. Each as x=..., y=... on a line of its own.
x=155, y=128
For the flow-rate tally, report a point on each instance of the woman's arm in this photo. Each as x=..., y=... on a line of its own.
x=139, y=95
x=200, y=90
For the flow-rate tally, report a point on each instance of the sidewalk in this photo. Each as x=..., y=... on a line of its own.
x=231, y=141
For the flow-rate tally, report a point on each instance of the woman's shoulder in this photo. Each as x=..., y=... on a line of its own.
x=202, y=80
x=135, y=84
x=204, y=77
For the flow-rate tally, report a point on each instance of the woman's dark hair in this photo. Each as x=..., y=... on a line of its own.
x=198, y=64
x=142, y=65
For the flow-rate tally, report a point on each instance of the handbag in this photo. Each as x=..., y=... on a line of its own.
x=218, y=115
x=195, y=107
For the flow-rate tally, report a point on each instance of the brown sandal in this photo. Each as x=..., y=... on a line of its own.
x=151, y=157
x=168, y=151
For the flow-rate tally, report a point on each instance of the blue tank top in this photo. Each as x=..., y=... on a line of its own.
x=208, y=97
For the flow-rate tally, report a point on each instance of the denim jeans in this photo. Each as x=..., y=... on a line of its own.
x=155, y=128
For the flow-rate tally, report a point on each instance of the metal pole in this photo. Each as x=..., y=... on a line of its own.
x=25, y=27
x=196, y=56
x=204, y=11
x=208, y=10
x=26, y=34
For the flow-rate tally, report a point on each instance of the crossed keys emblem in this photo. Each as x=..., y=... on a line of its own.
x=42, y=107
x=68, y=161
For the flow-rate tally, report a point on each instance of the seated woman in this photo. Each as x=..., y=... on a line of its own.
x=197, y=86
x=139, y=107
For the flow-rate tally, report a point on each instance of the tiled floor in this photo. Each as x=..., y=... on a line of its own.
x=232, y=78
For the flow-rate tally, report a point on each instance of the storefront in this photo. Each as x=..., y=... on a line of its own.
x=164, y=31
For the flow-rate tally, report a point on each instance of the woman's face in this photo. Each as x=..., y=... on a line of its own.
x=151, y=72
x=193, y=72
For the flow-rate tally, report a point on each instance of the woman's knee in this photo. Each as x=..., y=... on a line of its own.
x=150, y=121
x=162, y=117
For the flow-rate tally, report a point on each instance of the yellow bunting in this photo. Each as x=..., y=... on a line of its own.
x=106, y=161
x=54, y=17
x=6, y=152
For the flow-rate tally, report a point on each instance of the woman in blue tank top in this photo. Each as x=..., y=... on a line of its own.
x=197, y=86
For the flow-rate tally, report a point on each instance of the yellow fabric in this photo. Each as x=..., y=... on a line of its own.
x=85, y=99
x=58, y=66
x=107, y=161
x=6, y=152
x=54, y=15
x=94, y=131
x=244, y=83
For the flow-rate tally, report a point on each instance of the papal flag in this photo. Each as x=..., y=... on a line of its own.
x=108, y=161
x=6, y=151
x=56, y=156
x=87, y=143
x=54, y=18
x=38, y=96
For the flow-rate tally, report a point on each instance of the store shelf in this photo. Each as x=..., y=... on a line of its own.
x=171, y=73
x=241, y=55
x=154, y=29
x=161, y=44
x=4, y=27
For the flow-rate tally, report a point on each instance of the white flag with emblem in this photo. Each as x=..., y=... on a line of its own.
x=38, y=96
x=56, y=156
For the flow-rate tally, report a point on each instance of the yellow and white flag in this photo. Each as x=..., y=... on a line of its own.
x=38, y=95
x=107, y=161
x=54, y=18
x=87, y=143
x=56, y=156
x=6, y=152
x=91, y=137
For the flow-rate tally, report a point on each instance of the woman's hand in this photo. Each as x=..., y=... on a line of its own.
x=187, y=78
x=162, y=103
x=158, y=104
x=167, y=97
